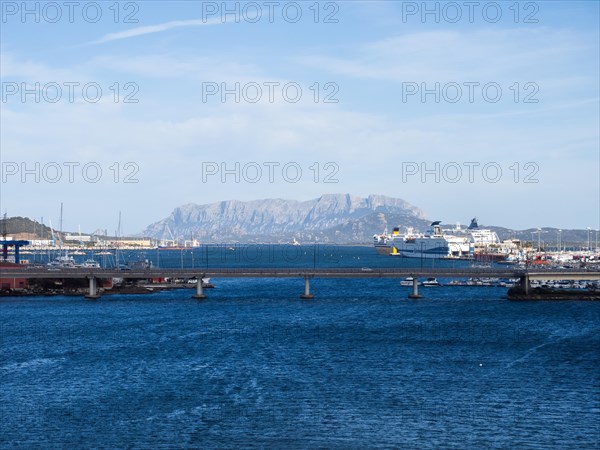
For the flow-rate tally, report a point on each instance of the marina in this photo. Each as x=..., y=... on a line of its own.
x=476, y=244
x=92, y=273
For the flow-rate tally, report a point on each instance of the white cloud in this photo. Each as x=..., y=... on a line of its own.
x=158, y=28
x=485, y=54
x=170, y=133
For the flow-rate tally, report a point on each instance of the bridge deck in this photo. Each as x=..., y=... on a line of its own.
x=47, y=273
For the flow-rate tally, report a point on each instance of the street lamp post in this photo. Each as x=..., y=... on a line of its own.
x=589, y=247
x=559, y=244
x=532, y=240
x=539, y=246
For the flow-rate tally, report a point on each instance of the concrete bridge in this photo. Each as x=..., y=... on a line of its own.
x=93, y=274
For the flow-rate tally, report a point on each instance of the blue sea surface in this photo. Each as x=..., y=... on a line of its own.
x=360, y=366
x=210, y=256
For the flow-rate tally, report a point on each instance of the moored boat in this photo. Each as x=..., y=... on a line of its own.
x=431, y=281
x=408, y=281
x=91, y=264
x=63, y=262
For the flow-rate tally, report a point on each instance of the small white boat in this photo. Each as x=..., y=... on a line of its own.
x=91, y=264
x=431, y=282
x=408, y=281
x=63, y=262
x=205, y=281
x=474, y=282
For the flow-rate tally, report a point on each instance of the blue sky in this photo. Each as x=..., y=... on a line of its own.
x=372, y=54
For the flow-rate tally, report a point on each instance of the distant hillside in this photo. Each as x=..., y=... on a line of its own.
x=19, y=225
x=548, y=238
x=337, y=218
x=341, y=218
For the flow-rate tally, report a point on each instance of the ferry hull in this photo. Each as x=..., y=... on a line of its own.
x=424, y=255
x=430, y=248
x=383, y=249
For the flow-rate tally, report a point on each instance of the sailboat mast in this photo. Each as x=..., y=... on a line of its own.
x=118, y=241
x=60, y=228
x=4, y=233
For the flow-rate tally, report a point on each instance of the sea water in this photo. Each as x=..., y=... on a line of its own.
x=253, y=365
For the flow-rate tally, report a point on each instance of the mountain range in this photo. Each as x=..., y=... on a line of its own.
x=340, y=218
x=337, y=218
x=334, y=218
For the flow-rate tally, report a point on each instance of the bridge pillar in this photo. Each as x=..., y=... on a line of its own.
x=199, y=290
x=93, y=290
x=415, y=290
x=525, y=284
x=307, y=295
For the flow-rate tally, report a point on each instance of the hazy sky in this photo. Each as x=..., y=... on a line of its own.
x=463, y=109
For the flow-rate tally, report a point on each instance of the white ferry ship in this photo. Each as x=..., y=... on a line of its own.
x=383, y=242
x=429, y=245
x=473, y=242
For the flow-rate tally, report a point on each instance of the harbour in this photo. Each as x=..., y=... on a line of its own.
x=296, y=345
x=336, y=225
x=483, y=246
x=145, y=272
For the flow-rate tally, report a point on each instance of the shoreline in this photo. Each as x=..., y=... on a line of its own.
x=537, y=293
x=82, y=292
